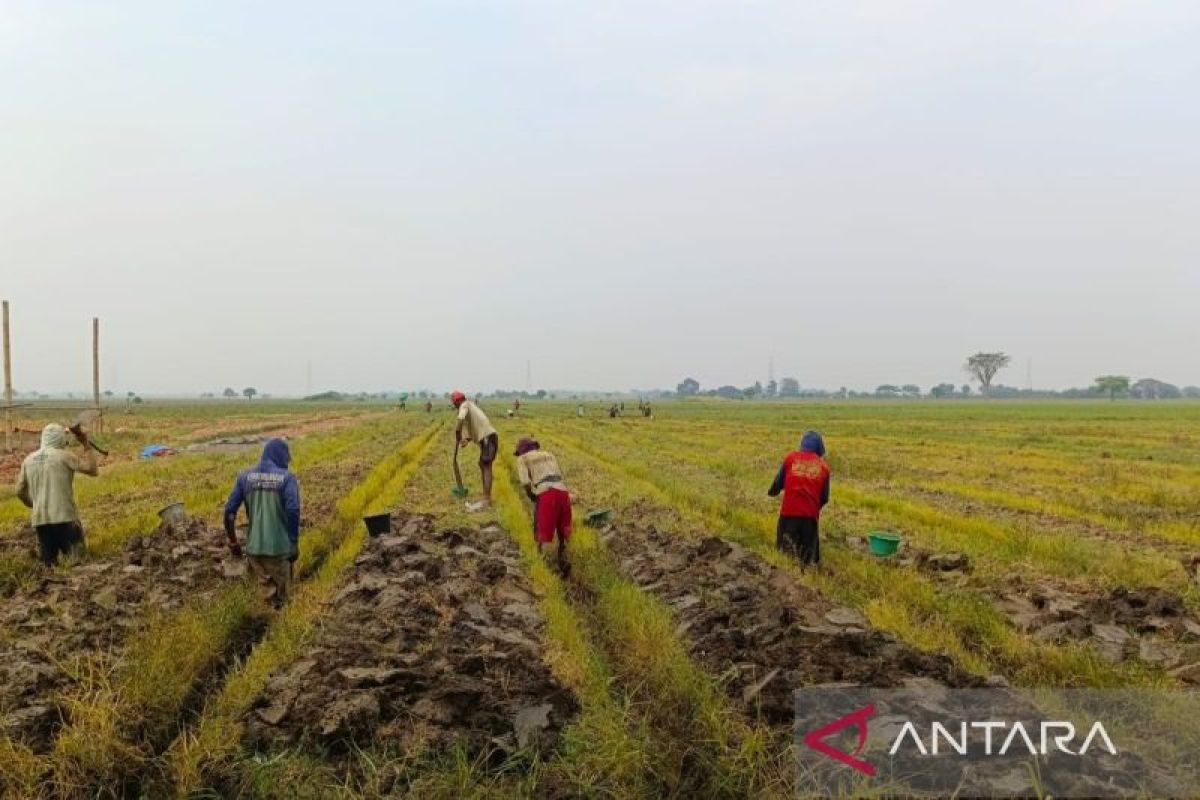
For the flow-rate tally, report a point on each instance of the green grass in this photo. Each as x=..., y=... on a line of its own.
x=204, y=752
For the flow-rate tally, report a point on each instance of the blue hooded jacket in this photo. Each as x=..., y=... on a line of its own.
x=270, y=480
x=810, y=442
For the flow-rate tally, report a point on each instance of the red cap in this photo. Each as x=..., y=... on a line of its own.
x=457, y=397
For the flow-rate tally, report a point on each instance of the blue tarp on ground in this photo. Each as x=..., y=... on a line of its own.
x=151, y=450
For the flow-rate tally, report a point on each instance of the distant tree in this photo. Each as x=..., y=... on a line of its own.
x=887, y=390
x=911, y=390
x=966, y=389
x=1191, y=391
x=1000, y=390
x=229, y=392
x=1112, y=384
x=731, y=392
x=108, y=392
x=843, y=392
x=325, y=396
x=137, y=400
x=1151, y=389
x=942, y=390
x=772, y=388
x=789, y=387
x=984, y=366
x=249, y=392
x=688, y=388
x=754, y=391
x=541, y=394
x=128, y=395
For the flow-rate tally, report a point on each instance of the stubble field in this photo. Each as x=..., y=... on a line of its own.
x=1044, y=545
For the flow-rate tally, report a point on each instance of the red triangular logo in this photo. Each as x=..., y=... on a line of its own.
x=858, y=719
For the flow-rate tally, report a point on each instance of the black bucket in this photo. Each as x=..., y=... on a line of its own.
x=378, y=523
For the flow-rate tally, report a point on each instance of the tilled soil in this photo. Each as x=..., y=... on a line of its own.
x=752, y=624
x=67, y=615
x=1148, y=624
x=432, y=642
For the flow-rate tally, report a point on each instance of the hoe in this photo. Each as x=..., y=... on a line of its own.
x=76, y=427
x=459, y=489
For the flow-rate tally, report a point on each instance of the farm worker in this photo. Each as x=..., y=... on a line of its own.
x=579, y=410
x=804, y=480
x=542, y=480
x=46, y=484
x=272, y=498
x=474, y=426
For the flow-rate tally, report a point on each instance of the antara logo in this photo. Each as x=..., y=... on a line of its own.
x=1054, y=736
x=858, y=719
x=1058, y=732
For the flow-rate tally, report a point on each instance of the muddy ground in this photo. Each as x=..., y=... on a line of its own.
x=432, y=642
x=750, y=623
x=1147, y=624
x=64, y=616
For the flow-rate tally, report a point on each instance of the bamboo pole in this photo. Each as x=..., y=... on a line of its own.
x=8, y=399
x=96, y=372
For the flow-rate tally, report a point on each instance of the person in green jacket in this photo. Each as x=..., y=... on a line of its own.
x=271, y=495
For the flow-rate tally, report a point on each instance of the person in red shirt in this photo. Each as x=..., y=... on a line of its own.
x=803, y=478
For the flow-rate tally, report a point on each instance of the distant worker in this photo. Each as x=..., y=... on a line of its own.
x=46, y=484
x=579, y=410
x=428, y=406
x=804, y=480
x=474, y=426
x=516, y=404
x=613, y=411
x=272, y=497
x=542, y=480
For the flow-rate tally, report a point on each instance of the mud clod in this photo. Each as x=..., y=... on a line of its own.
x=1149, y=624
x=93, y=608
x=753, y=624
x=431, y=643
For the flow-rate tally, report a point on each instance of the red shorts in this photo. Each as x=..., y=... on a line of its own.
x=553, y=516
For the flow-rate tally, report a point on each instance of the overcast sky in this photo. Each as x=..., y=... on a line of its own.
x=623, y=193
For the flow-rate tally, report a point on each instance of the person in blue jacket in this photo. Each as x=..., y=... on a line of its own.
x=271, y=495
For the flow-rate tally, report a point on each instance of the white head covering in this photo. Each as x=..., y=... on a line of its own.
x=54, y=436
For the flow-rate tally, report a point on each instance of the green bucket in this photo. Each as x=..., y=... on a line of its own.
x=883, y=543
x=600, y=517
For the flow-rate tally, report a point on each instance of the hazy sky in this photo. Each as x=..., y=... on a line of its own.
x=624, y=193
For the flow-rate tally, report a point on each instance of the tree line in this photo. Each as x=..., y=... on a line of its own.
x=982, y=367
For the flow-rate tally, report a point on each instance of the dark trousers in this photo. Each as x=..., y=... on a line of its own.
x=57, y=539
x=799, y=538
